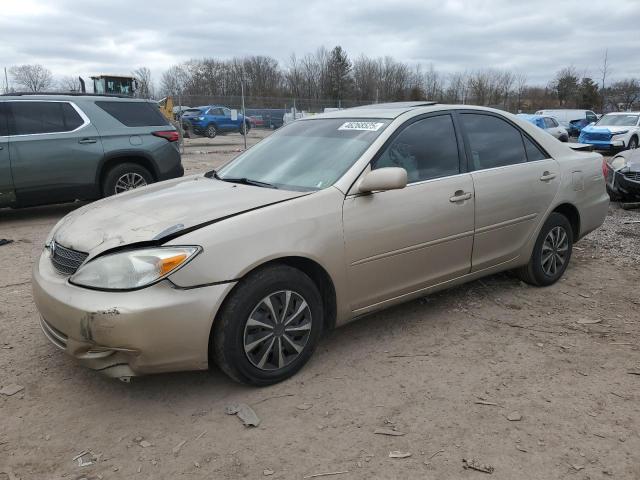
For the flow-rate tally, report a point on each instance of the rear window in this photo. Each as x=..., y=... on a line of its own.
x=31, y=117
x=134, y=114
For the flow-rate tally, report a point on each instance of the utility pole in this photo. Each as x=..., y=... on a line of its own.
x=605, y=70
x=244, y=117
x=6, y=81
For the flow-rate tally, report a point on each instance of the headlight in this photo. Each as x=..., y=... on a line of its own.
x=618, y=162
x=620, y=133
x=133, y=269
x=199, y=118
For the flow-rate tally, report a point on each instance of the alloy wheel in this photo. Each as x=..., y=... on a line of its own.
x=554, y=251
x=277, y=330
x=129, y=181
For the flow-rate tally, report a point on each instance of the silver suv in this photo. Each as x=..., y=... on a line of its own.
x=58, y=148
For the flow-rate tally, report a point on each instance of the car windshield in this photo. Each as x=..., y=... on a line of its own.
x=307, y=154
x=618, y=121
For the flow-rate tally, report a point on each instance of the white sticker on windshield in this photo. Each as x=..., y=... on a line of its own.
x=363, y=126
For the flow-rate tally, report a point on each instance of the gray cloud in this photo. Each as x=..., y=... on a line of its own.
x=537, y=37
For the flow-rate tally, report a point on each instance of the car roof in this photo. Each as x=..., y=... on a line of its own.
x=69, y=96
x=376, y=110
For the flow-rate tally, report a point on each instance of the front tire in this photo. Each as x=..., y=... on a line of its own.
x=633, y=143
x=244, y=128
x=211, y=131
x=269, y=326
x=551, y=253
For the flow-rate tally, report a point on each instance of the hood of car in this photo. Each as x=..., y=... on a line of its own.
x=160, y=210
x=611, y=130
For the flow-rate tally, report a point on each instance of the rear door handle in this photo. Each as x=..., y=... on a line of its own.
x=546, y=176
x=87, y=140
x=460, y=196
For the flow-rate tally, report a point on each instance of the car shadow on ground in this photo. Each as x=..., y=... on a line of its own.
x=187, y=388
x=44, y=212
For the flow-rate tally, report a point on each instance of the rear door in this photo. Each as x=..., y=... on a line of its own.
x=515, y=182
x=7, y=193
x=55, y=151
x=400, y=241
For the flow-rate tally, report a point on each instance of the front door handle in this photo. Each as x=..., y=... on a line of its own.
x=546, y=176
x=87, y=140
x=460, y=196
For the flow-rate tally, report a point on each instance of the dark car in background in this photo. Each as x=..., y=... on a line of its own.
x=213, y=120
x=59, y=148
x=623, y=176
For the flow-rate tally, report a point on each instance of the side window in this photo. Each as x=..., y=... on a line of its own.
x=134, y=114
x=493, y=141
x=426, y=149
x=43, y=117
x=216, y=111
x=227, y=112
x=533, y=151
x=554, y=123
x=547, y=122
x=4, y=121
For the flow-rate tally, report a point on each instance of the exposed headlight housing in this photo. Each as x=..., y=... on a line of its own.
x=133, y=269
x=622, y=132
x=199, y=118
x=618, y=162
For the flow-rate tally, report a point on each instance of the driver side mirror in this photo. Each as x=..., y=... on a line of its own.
x=382, y=179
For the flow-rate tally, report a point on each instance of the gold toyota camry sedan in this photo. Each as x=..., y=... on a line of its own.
x=328, y=219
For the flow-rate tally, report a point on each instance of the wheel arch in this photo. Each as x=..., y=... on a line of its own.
x=572, y=214
x=314, y=270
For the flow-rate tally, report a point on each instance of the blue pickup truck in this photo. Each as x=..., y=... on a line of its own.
x=213, y=120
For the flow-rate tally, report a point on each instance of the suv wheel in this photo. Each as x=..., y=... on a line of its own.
x=269, y=327
x=551, y=253
x=211, y=131
x=125, y=177
x=633, y=143
x=244, y=128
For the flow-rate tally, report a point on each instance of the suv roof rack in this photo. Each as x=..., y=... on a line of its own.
x=69, y=94
x=425, y=103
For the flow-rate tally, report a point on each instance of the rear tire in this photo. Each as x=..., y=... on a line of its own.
x=269, y=326
x=124, y=177
x=245, y=130
x=551, y=253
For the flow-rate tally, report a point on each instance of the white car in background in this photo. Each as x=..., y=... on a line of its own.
x=617, y=130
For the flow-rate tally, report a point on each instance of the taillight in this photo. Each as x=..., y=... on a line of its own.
x=170, y=135
x=605, y=168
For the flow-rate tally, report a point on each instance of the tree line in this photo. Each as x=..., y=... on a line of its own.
x=332, y=78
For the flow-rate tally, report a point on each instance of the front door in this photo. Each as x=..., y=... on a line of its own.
x=515, y=182
x=400, y=241
x=7, y=193
x=55, y=152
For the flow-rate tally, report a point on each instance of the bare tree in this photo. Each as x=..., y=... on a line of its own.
x=69, y=84
x=521, y=86
x=624, y=94
x=145, y=82
x=33, y=78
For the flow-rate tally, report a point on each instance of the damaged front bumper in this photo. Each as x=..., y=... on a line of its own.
x=160, y=328
x=625, y=184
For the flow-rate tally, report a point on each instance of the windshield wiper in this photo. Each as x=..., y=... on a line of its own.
x=248, y=181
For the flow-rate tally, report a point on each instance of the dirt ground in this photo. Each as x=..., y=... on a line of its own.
x=447, y=371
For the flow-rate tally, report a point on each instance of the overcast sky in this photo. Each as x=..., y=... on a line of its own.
x=538, y=37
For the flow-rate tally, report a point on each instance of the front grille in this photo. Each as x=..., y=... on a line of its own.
x=632, y=176
x=597, y=136
x=55, y=336
x=66, y=260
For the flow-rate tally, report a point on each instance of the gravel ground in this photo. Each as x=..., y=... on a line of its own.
x=515, y=377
